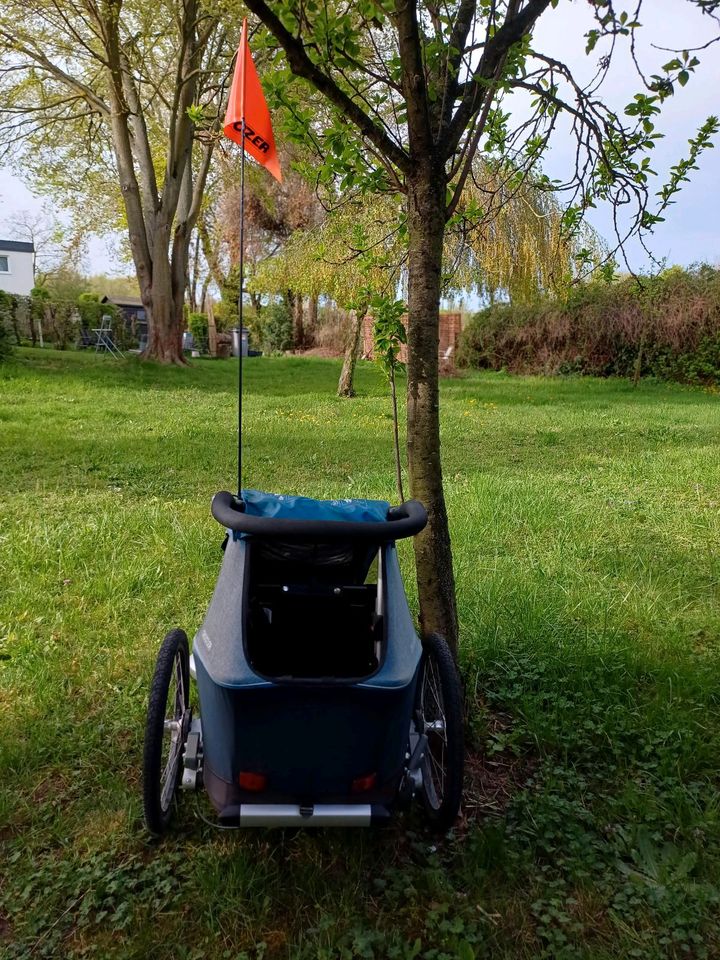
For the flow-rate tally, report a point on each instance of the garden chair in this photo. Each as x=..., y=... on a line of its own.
x=104, y=341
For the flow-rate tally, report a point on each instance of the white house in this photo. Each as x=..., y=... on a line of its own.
x=17, y=271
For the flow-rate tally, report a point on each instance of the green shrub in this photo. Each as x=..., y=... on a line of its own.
x=198, y=327
x=61, y=323
x=253, y=323
x=666, y=326
x=226, y=310
x=276, y=328
x=6, y=312
x=91, y=310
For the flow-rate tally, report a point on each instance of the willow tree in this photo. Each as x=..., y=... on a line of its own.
x=413, y=88
x=102, y=99
x=355, y=253
x=517, y=247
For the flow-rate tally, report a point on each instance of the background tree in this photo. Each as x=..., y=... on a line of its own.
x=412, y=89
x=516, y=250
x=351, y=256
x=105, y=100
x=509, y=242
x=274, y=212
x=56, y=246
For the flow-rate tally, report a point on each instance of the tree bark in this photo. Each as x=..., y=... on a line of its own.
x=295, y=302
x=312, y=317
x=346, y=386
x=433, y=555
x=160, y=223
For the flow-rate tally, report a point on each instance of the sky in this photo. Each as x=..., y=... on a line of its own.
x=691, y=231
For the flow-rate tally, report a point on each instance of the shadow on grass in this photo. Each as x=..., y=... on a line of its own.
x=268, y=376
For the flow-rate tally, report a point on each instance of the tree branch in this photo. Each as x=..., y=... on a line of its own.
x=302, y=66
x=413, y=78
x=513, y=29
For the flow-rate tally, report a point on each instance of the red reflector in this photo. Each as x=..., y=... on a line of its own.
x=361, y=784
x=252, y=781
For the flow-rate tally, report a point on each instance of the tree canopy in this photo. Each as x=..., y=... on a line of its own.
x=408, y=91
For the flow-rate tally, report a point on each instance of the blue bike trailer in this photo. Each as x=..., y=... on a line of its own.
x=306, y=663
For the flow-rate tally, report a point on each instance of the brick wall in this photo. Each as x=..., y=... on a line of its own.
x=450, y=326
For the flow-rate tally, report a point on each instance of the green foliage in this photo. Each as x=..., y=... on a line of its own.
x=65, y=283
x=389, y=332
x=112, y=286
x=61, y=323
x=276, y=327
x=389, y=337
x=356, y=248
x=226, y=310
x=666, y=326
x=198, y=327
x=503, y=239
x=6, y=318
x=91, y=311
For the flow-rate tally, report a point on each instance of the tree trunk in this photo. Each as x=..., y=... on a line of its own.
x=346, y=386
x=164, y=308
x=151, y=214
x=165, y=329
x=298, y=322
x=433, y=556
x=312, y=317
x=212, y=329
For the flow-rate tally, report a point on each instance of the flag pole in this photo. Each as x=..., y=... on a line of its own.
x=242, y=253
x=240, y=306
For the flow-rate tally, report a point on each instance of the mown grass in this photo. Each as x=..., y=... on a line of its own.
x=586, y=519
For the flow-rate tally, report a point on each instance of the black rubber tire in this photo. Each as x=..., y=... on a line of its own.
x=438, y=666
x=174, y=646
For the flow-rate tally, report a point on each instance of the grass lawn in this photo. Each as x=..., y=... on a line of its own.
x=585, y=517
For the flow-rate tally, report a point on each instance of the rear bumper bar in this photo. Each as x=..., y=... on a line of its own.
x=294, y=815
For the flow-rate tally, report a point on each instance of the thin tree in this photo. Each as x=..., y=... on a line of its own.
x=412, y=88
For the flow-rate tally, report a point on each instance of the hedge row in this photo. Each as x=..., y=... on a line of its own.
x=23, y=318
x=666, y=326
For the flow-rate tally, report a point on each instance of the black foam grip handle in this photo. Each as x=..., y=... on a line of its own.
x=403, y=521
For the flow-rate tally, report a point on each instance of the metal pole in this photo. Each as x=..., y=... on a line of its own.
x=240, y=303
x=243, y=67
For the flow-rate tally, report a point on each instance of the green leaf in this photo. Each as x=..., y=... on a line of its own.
x=465, y=951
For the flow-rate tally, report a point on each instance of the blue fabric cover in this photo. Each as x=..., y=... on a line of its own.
x=259, y=504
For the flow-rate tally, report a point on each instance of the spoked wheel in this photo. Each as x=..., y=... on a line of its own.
x=168, y=723
x=439, y=715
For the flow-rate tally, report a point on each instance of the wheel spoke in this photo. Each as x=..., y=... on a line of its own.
x=432, y=710
x=175, y=714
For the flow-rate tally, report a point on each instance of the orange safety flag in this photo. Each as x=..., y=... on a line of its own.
x=248, y=103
